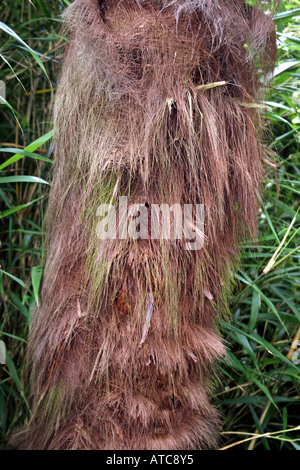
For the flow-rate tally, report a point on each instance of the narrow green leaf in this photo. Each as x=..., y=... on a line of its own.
x=12, y=210
x=255, y=305
x=15, y=377
x=19, y=281
x=287, y=14
x=36, y=277
x=22, y=179
x=34, y=54
x=19, y=155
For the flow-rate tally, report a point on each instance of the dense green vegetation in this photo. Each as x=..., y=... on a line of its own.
x=260, y=389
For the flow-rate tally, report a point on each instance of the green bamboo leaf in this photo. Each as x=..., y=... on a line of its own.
x=284, y=66
x=255, y=305
x=11, y=68
x=34, y=54
x=17, y=302
x=235, y=362
x=12, y=210
x=30, y=149
x=287, y=14
x=248, y=281
x=22, y=179
x=39, y=142
x=15, y=377
x=4, y=101
x=255, y=400
x=290, y=37
x=19, y=155
x=264, y=343
x=13, y=336
x=263, y=388
x=273, y=104
x=276, y=117
x=288, y=302
x=290, y=188
x=243, y=340
x=19, y=281
x=259, y=427
x=36, y=277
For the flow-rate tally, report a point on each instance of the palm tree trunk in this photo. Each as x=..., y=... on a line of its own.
x=156, y=103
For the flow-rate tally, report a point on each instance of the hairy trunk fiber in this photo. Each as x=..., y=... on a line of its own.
x=156, y=102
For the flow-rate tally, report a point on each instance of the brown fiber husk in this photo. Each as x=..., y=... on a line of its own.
x=132, y=118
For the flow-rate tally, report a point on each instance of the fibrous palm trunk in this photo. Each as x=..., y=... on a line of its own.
x=156, y=103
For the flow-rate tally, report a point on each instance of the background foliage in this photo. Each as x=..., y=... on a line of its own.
x=259, y=396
